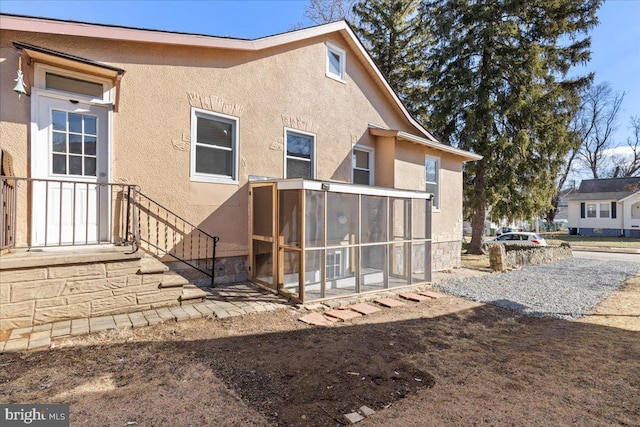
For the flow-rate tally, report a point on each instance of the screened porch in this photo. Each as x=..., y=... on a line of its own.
x=313, y=240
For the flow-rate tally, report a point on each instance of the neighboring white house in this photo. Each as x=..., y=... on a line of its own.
x=606, y=207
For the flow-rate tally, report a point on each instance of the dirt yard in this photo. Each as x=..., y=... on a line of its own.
x=445, y=362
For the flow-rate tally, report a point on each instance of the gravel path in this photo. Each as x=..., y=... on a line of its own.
x=567, y=289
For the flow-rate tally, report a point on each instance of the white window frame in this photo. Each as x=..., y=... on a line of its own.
x=438, y=180
x=40, y=82
x=342, y=54
x=608, y=211
x=313, y=151
x=595, y=210
x=371, y=153
x=214, y=178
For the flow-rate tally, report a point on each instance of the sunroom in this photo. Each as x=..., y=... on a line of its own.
x=314, y=240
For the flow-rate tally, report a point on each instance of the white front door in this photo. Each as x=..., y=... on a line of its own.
x=71, y=144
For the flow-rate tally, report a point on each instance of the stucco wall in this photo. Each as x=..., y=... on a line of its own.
x=267, y=91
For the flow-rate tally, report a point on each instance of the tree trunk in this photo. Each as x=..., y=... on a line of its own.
x=476, y=247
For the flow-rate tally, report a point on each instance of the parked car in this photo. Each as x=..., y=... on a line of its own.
x=520, y=238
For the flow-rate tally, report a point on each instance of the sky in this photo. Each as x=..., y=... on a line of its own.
x=615, y=42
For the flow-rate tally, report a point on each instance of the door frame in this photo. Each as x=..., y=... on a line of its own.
x=40, y=91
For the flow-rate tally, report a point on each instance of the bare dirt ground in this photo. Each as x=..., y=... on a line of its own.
x=445, y=362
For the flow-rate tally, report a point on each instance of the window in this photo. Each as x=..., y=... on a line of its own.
x=71, y=84
x=336, y=63
x=299, y=154
x=432, y=169
x=604, y=210
x=591, y=210
x=214, y=146
x=362, y=166
x=73, y=143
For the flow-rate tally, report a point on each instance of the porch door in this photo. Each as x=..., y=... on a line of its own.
x=71, y=145
x=263, y=234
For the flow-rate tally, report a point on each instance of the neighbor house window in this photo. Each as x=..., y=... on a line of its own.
x=336, y=63
x=604, y=210
x=299, y=154
x=362, y=166
x=432, y=169
x=214, y=147
x=591, y=210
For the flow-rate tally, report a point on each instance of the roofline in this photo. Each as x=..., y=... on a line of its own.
x=629, y=196
x=112, y=32
x=466, y=155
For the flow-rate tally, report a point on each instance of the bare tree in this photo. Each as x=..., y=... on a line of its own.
x=597, y=122
x=325, y=11
x=629, y=165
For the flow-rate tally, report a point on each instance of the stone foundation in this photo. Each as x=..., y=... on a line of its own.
x=44, y=288
x=445, y=255
x=227, y=270
x=507, y=257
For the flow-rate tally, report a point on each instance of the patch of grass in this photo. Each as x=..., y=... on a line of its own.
x=474, y=261
x=603, y=242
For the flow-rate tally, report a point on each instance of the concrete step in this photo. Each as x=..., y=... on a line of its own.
x=191, y=294
x=173, y=280
x=150, y=265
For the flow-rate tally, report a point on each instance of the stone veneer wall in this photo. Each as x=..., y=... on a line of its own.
x=227, y=270
x=445, y=255
x=506, y=257
x=50, y=289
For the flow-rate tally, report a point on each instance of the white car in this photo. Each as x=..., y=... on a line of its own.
x=520, y=238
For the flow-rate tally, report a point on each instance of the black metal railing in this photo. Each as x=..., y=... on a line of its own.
x=54, y=213
x=163, y=232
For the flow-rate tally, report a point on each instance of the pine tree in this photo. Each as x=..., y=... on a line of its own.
x=498, y=86
x=394, y=33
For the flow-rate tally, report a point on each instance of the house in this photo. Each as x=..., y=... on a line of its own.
x=605, y=207
x=288, y=159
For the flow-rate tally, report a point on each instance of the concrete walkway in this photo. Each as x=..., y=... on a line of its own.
x=222, y=302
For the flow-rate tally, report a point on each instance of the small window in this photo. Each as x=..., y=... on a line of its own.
x=70, y=84
x=336, y=63
x=214, y=147
x=74, y=139
x=604, y=210
x=300, y=155
x=362, y=166
x=432, y=169
x=591, y=210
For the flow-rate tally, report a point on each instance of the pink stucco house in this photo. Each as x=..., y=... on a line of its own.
x=291, y=152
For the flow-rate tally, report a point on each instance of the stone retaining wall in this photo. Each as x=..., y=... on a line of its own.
x=54, y=288
x=507, y=257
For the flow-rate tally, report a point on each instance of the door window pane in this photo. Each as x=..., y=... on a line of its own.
x=90, y=145
x=59, y=142
x=90, y=166
x=59, y=164
x=59, y=120
x=75, y=122
x=75, y=144
x=75, y=165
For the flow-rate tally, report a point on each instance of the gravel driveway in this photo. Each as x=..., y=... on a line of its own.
x=566, y=289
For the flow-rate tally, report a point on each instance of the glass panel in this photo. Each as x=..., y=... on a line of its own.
x=399, y=226
x=433, y=189
x=361, y=159
x=591, y=211
x=90, y=166
x=291, y=264
x=263, y=211
x=398, y=269
x=299, y=145
x=298, y=168
x=314, y=221
x=419, y=219
x=342, y=219
x=75, y=165
x=59, y=120
x=59, y=142
x=212, y=161
x=59, y=164
x=75, y=143
x=334, y=63
x=604, y=210
x=373, y=273
x=90, y=125
x=361, y=177
x=313, y=275
x=75, y=122
x=215, y=132
x=419, y=264
x=263, y=261
x=289, y=210
x=340, y=271
x=69, y=84
x=90, y=145
x=374, y=219
x=431, y=166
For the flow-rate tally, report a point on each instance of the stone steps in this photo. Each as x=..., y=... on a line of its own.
x=192, y=294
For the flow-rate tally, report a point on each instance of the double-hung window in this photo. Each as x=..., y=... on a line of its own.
x=362, y=166
x=336, y=63
x=300, y=154
x=214, y=147
x=432, y=175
